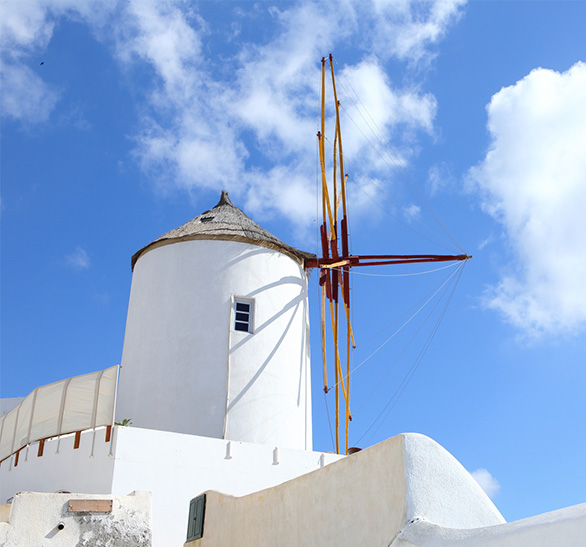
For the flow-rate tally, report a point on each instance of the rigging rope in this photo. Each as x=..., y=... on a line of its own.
x=399, y=168
x=352, y=272
x=403, y=386
x=404, y=177
x=403, y=325
x=398, y=219
x=423, y=298
x=402, y=352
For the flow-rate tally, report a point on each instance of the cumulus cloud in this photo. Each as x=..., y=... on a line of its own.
x=252, y=132
x=406, y=29
x=78, y=259
x=533, y=182
x=371, y=102
x=161, y=34
x=487, y=482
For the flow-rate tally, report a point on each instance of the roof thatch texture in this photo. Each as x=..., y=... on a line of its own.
x=225, y=222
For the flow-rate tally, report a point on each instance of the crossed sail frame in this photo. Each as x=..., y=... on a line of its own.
x=336, y=261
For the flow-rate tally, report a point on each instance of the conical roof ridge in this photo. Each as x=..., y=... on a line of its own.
x=225, y=222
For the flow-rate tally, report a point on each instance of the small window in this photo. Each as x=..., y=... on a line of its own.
x=243, y=314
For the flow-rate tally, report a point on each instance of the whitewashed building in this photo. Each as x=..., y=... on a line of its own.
x=215, y=378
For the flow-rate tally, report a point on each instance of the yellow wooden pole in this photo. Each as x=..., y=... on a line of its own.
x=347, y=310
x=342, y=177
x=344, y=208
x=323, y=335
x=347, y=381
x=335, y=185
x=322, y=150
x=338, y=366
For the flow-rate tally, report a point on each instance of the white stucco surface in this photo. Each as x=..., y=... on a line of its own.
x=405, y=492
x=441, y=490
x=61, y=467
x=565, y=527
x=39, y=519
x=185, y=369
x=174, y=467
x=364, y=499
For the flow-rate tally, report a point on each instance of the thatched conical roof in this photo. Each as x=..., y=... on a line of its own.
x=225, y=222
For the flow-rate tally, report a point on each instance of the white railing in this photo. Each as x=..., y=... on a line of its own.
x=72, y=405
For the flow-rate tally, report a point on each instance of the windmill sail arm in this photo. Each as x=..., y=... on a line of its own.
x=380, y=260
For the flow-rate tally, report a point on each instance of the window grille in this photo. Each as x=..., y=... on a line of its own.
x=243, y=314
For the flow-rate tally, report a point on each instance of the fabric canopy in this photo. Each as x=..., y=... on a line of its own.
x=75, y=404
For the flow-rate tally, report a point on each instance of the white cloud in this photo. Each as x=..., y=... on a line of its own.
x=79, y=259
x=405, y=29
x=486, y=241
x=26, y=28
x=440, y=178
x=371, y=104
x=23, y=29
x=255, y=134
x=533, y=181
x=24, y=95
x=487, y=482
x=412, y=212
x=276, y=90
x=201, y=130
x=160, y=33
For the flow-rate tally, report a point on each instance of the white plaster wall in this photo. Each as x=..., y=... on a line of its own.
x=359, y=500
x=174, y=467
x=183, y=367
x=35, y=517
x=368, y=499
x=177, y=467
x=441, y=490
x=565, y=527
x=72, y=470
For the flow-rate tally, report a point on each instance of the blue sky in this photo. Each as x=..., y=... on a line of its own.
x=122, y=120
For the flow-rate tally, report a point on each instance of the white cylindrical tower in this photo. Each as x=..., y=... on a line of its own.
x=217, y=334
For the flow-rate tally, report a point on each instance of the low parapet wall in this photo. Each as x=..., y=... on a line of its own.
x=364, y=499
x=173, y=466
x=88, y=468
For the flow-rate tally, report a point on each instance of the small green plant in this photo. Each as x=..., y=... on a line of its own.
x=127, y=422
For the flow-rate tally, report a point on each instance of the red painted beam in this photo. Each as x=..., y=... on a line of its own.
x=380, y=260
x=402, y=257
